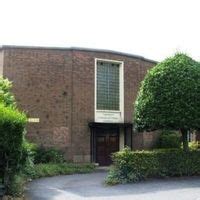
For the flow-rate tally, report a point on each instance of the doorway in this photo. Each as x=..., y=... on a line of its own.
x=107, y=142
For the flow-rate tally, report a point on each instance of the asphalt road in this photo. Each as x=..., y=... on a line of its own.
x=91, y=187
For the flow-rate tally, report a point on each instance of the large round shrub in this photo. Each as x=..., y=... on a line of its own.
x=169, y=97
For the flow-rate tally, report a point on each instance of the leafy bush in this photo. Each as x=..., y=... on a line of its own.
x=50, y=155
x=12, y=124
x=132, y=166
x=194, y=145
x=16, y=185
x=28, y=151
x=6, y=97
x=169, y=139
x=28, y=155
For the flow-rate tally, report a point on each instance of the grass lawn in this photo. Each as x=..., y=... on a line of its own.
x=52, y=169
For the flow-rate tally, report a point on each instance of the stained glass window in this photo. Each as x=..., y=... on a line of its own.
x=108, y=86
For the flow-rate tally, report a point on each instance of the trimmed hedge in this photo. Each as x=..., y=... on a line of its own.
x=130, y=166
x=12, y=125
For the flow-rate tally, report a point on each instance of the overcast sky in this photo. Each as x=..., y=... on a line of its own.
x=151, y=28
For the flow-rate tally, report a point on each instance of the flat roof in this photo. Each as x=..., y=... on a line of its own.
x=79, y=49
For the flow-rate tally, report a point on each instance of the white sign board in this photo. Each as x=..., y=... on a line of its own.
x=108, y=117
x=34, y=120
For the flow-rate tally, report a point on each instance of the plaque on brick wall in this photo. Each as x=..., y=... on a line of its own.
x=108, y=117
x=34, y=120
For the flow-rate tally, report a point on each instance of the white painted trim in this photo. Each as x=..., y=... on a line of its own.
x=121, y=100
x=95, y=86
x=122, y=91
x=113, y=111
x=121, y=139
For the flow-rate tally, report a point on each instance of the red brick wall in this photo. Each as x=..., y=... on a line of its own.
x=57, y=86
x=42, y=86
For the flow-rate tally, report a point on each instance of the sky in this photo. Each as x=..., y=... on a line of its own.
x=155, y=29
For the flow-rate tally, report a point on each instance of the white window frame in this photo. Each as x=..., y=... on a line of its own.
x=119, y=112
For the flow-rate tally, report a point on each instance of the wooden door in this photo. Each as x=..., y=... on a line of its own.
x=107, y=142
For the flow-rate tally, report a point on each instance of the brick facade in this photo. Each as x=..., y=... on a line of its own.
x=57, y=86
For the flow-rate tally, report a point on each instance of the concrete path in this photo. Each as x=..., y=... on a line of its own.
x=91, y=187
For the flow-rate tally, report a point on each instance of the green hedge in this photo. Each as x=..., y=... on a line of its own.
x=132, y=166
x=12, y=125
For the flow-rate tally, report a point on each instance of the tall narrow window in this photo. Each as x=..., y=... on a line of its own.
x=108, y=86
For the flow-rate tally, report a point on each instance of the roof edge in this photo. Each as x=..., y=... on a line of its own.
x=79, y=49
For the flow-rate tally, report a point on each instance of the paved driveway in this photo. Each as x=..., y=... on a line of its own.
x=91, y=187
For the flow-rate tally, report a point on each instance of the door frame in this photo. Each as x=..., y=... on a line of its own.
x=107, y=132
x=96, y=125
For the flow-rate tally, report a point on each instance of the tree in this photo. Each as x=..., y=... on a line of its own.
x=6, y=97
x=169, y=97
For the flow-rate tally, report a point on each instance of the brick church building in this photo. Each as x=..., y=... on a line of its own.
x=78, y=100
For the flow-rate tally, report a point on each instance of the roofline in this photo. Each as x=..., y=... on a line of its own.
x=79, y=49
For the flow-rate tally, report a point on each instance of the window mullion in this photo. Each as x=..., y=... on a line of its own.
x=108, y=75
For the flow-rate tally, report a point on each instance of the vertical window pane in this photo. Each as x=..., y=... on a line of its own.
x=107, y=86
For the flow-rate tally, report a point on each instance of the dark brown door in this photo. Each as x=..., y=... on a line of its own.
x=107, y=142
